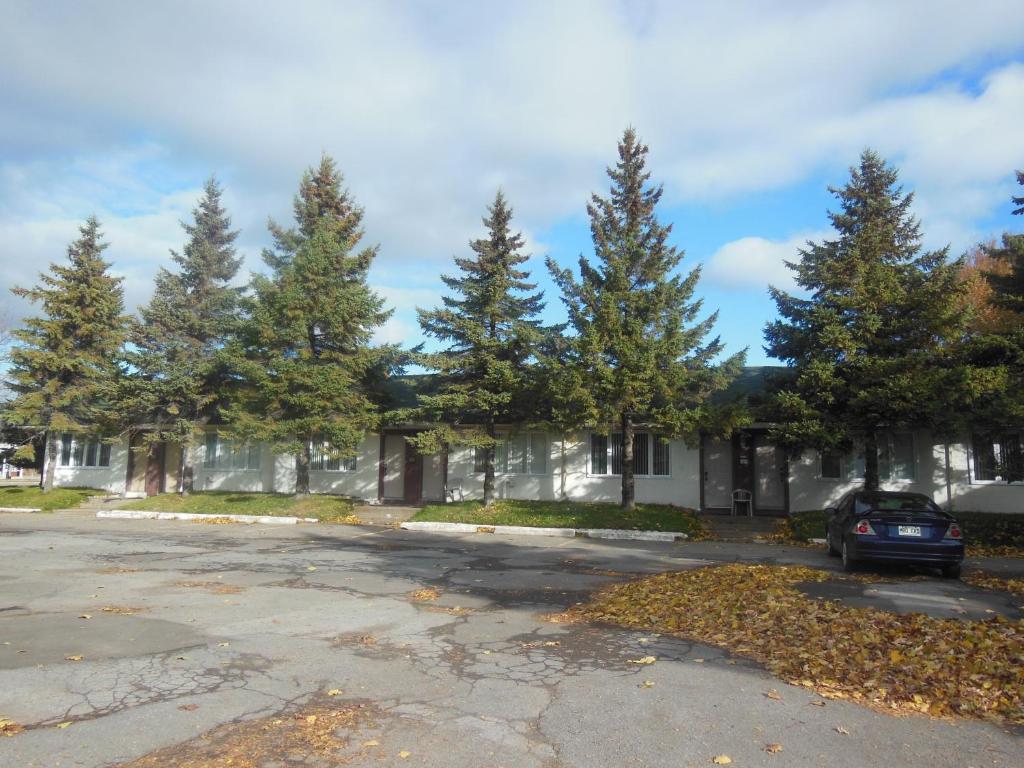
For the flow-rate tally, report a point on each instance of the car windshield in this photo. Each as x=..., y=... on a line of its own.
x=896, y=504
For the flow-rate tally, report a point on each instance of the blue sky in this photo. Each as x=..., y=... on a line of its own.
x=751, y=110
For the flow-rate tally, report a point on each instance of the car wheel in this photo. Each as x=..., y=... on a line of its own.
x=849, y=564
x=831, y=547
x=951, y=571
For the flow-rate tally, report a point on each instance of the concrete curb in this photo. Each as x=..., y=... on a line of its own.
x=135, y=514
x=21, y=509
x=525, y=530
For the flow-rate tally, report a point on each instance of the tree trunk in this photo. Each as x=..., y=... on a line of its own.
x=562, y=473
x=302, y=462
x=185, y=484
x=628, y=481
x=871, y=461
x=49, y=461
x=489, y=466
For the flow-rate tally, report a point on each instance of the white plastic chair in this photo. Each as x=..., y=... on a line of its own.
x=741, y=497
x=453, y=487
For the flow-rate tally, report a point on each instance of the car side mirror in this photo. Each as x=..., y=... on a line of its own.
x=831, y=511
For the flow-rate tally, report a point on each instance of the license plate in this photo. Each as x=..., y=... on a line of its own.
x=909, y=530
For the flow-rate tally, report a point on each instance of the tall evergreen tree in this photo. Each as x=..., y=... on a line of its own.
x=178, y=367
x=64, y=370
x=491, y=328
x=639, y=344
x=1008, y=285
x=304, y=359
x=872, y=343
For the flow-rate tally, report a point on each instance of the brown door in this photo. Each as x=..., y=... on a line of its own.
x=155, y=470
x=743, y=461
x=413, y=476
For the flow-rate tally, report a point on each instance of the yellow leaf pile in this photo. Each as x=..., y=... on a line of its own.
x=987, y=580
x=897, y=662
x=9, y=727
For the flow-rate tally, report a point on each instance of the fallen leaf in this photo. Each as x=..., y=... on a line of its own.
x=722, y=760
x=404, y=754
x=9, y=727
x=334, y=692
x=311, y=719
x=647, y=684
x=817, y=703
x=772, y=748
x=843, y=731
x=643, y=660
x=85, y=616
x=698, y=661
x=73, y=658
x=311, y=568
x=371, y=743
x=223, y=645
x=188, y=707
x=774, y=695
x=63, y=725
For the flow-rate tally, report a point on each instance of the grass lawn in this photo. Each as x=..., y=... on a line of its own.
x=326, y=509
x=566, y=514
x=58, y=498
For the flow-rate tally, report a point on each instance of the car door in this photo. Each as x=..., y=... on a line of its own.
x=840, y=520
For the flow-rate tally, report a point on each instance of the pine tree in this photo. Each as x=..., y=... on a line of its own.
x=873, y=342
x=64, y=372
x=1008, y=285
x=179, y=371
x=639, y=344
x=304, y=357
x=491, y=328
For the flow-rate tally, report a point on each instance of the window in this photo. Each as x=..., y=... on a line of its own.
x=222, y=453
x=322, y=460
x=524, y=453
x=649, y=452
x=83, y=452
x=997, y=457
x=895, y=460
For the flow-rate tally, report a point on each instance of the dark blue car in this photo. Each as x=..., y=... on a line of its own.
x=894, y=527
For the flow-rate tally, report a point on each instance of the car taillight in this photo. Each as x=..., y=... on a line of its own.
x=863, y=528
x=953, y=532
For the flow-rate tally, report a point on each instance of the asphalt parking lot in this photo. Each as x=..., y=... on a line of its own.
x=158, y=643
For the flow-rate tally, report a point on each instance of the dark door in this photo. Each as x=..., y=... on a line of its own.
x=155, y=470
x=743, y=461
x=413, y=476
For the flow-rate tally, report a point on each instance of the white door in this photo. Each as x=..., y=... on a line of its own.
x=718, y=474
x=768, y=465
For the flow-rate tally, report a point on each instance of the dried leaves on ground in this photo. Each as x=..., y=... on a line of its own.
x=216, y=587
x=9, y=727
x=986, y=580
x=424, y=595
x=899, y=662
x=291, y=739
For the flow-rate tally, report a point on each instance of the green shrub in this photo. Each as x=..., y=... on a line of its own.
x=992, y=529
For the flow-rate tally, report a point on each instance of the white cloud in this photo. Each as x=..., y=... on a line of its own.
x=755, y=262
x=428, y=111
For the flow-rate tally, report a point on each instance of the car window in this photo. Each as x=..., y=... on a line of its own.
x=897, y=504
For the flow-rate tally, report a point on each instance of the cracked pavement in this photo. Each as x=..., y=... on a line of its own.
x=208, y=627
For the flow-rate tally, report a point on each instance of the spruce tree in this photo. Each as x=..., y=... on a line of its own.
x=639, y=345
x=306, y=368
x=178, y=368
x=1008, y=285
x=872, y=340
x=491, y=328
x=64, y=370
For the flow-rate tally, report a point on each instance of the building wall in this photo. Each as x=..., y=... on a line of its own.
x=680, y=488
x=807, y=490
x=108, y=478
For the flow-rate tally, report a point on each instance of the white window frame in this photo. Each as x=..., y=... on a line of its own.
x=848, y=461
x=652, y=437
x=346, y=464
x=221, y=454
x=81, y=446
x=972, y=457
x=504, y=439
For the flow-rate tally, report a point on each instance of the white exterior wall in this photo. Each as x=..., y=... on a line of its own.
x=360, y=484
x=680, y=488
x=110, y=478
x=807, y=490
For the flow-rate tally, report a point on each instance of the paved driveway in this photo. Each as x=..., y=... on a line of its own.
x=208, y=628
